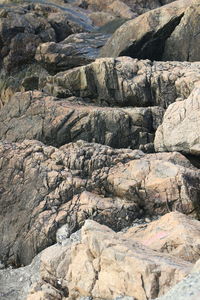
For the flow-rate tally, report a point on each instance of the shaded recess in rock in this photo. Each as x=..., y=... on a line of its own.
x=152, y=44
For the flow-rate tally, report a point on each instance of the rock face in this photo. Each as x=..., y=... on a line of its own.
x=90, y=145
x=180, y=128
x=183, y=43
x=47, y=188
x=34, y=115
x=126, y=82
x=174, y=233
x=148, y=41
x=110, y=265
x=96, y=253
x=76, y=50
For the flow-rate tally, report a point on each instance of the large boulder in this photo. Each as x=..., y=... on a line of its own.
x=183, y=44
x=107, y=265
x=180, y=128
x=148, y=41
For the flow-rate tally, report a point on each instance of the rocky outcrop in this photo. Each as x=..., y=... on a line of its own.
x=110, y=265
x=124, y=8
x=43, y=187
x=96, y=253
x=180, y=128
x=174, y=233
x=34, y=115
x=126, y=82
x=148, y=41
x=183, y=43
x=76, y=50
x=22, y=29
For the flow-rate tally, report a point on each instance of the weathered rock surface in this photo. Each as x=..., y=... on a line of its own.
x=111, y=266
x=124, y=8
x=156, y=178
x=43, y=187
x=183, y=44
x=22, y=29
x=148, y=41
x=76, y=50
x=180, y=128
x=126, y=82
x=188, y=288
x=174, y=233
x=96, y=253
x=34, y=115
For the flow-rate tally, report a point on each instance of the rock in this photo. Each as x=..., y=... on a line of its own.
x=76, y=50
x=16, y=283
x=124, y=8
x=159, y=182
x=34, y=115
x=174, y=233
x=126, y=82
x=101, y=18
x=183, y=44
x=121, y=9
x=180, y=128
x=188, y=288
x=43, y=188
x=43, y=191
x=100, y=256
x=23, y=28
x=146, y=41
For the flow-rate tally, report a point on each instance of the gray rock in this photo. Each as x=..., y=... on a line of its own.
x=126, y=82
x=76, y=50
x=35, y=115
x=146, y=41
x=180, y=128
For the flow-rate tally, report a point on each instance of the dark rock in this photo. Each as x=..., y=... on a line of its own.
x=76, y=50
x=34, y=115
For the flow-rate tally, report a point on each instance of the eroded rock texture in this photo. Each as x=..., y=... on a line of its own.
x=180, y=127
x=35, y=115
x=111, y=264
x=126, y=82
x=158, y=26
x=47, y=188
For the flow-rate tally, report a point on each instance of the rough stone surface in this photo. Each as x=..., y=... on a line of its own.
x=180, y=128
x=34, y=115
x=43, y=188
x=111, y=265
x=183, y=44
x=148, y=41
x=126, y=82
x=22, y=29
x=174, y=233
x=76, y=50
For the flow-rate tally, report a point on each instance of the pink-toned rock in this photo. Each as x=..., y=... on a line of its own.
x=174, y=233
x=105, y=265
